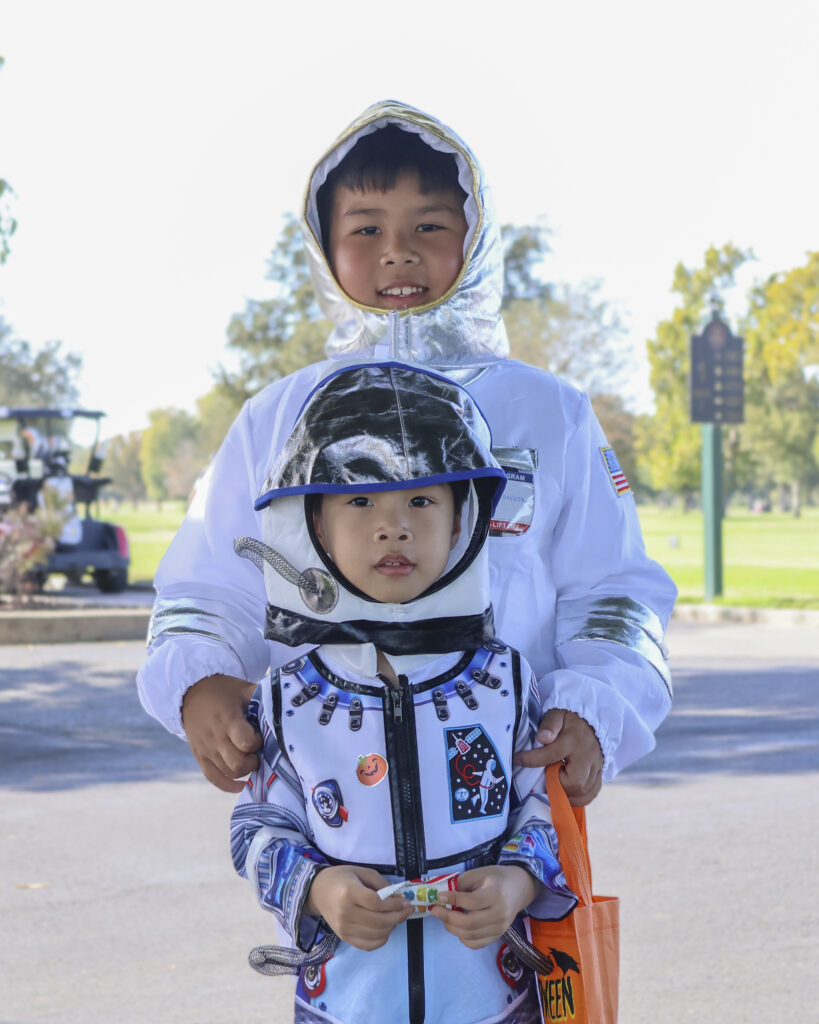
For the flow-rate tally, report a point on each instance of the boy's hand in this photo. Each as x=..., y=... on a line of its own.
x=491, y=898
x=220, y=736
x=347, y=898
x=568, y=737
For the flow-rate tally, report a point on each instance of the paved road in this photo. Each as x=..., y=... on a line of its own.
x=118, y=902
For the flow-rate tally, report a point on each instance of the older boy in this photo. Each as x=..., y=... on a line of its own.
x=385, y=228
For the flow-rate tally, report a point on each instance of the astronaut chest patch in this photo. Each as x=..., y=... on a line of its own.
x=516, y=509
x=477, y=781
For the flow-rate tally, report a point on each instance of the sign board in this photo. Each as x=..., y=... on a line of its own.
x=716, y=375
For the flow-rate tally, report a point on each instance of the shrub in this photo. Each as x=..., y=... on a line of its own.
x=26, y=540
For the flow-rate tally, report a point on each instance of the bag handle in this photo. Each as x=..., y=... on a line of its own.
x=570, y=825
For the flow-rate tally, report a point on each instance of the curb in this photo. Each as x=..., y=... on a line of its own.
x=806, y=618
x=90, y=625
x=74, y=625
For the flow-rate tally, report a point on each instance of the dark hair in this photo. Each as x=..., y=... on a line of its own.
x=378, y=160
x=459, y=488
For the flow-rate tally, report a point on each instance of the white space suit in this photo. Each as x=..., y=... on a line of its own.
x=329, y=790
x=572, y=585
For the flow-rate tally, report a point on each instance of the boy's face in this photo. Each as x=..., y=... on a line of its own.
x=391, y=545
x=398, y=248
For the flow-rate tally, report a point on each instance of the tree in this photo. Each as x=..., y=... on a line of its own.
x=573, y=333
x=276, y=336
x=781, y=331
x=568, y=330
x=8, y=225
x=182, y=468
x=668, y=444
x=123, y=465
x=26, y=540
x=215, y=412
x=619, y=425
x=168, y=454
x=525, y=249
x=44, y=377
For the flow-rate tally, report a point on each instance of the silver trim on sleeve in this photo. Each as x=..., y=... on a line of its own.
x=619, y=620
x=178, y=617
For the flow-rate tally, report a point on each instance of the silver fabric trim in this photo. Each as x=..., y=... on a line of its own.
x=619, y=620
x=178, y=617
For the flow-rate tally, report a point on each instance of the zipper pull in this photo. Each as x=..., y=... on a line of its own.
x=397, y=705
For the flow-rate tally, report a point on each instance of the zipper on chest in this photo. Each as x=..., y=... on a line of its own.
x=408, y=823
x=399, y=335
x=405, y=792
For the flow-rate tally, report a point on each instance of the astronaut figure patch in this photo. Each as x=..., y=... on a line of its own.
x=477, y=781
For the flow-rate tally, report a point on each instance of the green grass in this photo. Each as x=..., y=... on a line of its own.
x=770, y=560
x=150, y=531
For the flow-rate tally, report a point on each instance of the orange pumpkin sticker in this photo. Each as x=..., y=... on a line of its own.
x=372, y=768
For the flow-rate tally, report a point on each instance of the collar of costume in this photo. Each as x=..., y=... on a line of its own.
x=378, y=426
x=460, y=331
x=430, y=636
x=360, y=661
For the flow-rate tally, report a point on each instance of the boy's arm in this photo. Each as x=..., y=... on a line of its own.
x=568, y=738
x=270, y=838
x=613, y=603
x=271, y=844
x=346, y=897
x=492, y=897
x=209, y=611
x=220, y=736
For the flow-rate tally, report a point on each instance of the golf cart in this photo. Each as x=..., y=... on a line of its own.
x=34, y=455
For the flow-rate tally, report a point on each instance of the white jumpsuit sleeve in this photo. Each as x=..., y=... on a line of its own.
x=271, y=841
x=208, y=616
x=612, y=605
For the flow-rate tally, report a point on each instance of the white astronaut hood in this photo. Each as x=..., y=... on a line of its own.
x=367, y=428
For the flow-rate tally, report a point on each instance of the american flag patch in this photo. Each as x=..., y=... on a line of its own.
x=616, y=475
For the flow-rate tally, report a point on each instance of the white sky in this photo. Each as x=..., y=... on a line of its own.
x=154, y=146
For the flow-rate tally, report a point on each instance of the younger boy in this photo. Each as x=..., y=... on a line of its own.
x=388, y=750
x=407, y=260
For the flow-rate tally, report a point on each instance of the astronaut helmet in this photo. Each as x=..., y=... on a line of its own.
x=364, y=429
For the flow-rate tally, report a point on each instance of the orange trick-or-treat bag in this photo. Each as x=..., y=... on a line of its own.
x=582, y=952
